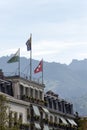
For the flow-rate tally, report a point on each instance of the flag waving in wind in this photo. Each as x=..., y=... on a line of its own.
x=15, y=57
x=28, y=44
x=39, y=68
x=29, y=48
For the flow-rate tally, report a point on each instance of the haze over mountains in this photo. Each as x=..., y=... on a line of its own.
x=69, y=81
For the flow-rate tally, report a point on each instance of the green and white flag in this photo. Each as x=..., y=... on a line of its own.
x=15, y=57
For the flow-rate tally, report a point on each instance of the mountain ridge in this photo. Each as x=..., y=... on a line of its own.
x=69, y=81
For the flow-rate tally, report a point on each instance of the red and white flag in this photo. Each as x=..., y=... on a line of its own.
x=39, y=68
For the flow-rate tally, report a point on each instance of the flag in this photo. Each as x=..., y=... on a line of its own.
x=39, y=68
x=28, y=44
x=15, y=57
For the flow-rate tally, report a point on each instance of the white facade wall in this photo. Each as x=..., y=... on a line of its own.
x=20, y=109
x=16, y=89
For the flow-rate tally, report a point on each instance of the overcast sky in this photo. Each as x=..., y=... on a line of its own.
x=58, y=27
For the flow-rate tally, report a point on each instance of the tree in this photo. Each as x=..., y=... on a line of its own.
x=7, y=122
x=3, y=112
x=82, y=124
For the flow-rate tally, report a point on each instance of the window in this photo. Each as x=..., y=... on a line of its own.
x=20, y=117
x=21, y=90
x=28, y=114
x=31, y=92
x=55, y=119
x=51, y=118
x=10, y=119
x=46, y=116
x=36, y=94
x=15, y=118
x=40, y=95
x=54, y=104
x=63, y=106
x=60, y=106
x=50, y=103
x=26, y=91
x=3, y=88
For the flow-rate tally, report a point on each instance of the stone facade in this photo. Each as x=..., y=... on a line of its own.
x=36, y=109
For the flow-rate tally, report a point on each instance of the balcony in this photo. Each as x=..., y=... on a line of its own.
x=31, y=99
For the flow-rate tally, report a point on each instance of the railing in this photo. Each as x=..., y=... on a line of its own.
x=30, y=99
x=24, y=76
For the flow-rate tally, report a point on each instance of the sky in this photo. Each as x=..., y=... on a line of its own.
x=58, y=28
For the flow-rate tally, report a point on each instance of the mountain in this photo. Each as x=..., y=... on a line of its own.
x=69, y=81
x=80, y=67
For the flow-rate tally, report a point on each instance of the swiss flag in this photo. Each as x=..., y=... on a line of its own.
x=39, y=68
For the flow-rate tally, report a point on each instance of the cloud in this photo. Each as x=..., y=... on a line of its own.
x=59, y=28
x=58, y=51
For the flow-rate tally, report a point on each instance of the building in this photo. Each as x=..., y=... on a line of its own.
x=36, y=109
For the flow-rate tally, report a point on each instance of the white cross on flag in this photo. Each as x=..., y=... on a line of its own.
x=39, y=68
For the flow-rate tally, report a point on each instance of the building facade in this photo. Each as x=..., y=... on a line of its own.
x=35, y=109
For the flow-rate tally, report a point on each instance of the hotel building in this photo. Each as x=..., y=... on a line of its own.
x=36, y=109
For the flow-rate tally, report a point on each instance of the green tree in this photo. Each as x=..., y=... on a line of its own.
x=7, y=121
x=82, y=124
x=4, y=115
x=3, y=112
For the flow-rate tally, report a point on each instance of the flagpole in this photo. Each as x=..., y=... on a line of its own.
x=19, y=64
x=31, y=59
x=42, y=71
